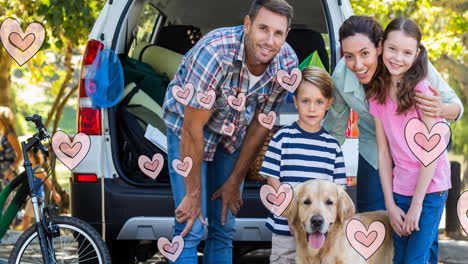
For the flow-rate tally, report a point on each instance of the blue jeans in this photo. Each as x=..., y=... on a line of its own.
x=369, y=194
x=218, y=244
x=420, y=246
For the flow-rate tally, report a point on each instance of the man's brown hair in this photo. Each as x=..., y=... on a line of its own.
x=276, y=6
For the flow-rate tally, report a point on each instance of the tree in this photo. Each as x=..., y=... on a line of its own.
x=67, y=24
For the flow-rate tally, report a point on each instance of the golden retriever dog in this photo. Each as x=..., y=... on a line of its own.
x=319, y=213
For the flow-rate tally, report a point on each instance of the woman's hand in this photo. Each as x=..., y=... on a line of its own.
x=412, y=218
x=397, y=218
x=430, y=105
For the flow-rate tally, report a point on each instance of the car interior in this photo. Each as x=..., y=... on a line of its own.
x=158, y=34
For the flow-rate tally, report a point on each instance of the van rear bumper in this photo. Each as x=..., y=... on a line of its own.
x=127, y=207
x=152, y=228
x=148, y=213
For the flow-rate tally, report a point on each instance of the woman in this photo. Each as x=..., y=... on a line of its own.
x=361, y=42
x=10, y=150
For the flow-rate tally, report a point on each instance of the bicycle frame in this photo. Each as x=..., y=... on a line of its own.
x=20, y=183
x=44, y=238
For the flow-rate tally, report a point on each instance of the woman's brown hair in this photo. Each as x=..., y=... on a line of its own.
x=365, y=25
x=378, y=87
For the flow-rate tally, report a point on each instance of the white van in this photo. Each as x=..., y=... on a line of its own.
x=133, y=213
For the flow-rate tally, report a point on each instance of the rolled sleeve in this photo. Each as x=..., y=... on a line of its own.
x=336, y=119
x=446, y=92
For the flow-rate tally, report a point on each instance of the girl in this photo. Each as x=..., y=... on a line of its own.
x=10, y=150
x=361, y=42
x=415, y=194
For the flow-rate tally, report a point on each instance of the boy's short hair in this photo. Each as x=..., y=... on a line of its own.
x=319, y=78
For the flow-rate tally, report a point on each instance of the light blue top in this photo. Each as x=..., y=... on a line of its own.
x=349, y=94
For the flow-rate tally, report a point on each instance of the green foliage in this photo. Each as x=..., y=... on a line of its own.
x=65, y=22
x=444, y=25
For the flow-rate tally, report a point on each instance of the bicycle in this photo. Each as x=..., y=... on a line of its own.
x=61, y=239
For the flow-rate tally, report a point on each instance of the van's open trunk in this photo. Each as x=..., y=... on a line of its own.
x=308, y=34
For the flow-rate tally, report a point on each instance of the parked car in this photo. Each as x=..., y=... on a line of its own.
x=131, y=211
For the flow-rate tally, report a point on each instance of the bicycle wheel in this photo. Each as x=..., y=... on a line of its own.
x=77, y=242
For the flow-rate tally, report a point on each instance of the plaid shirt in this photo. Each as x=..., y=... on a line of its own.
x=216, y=63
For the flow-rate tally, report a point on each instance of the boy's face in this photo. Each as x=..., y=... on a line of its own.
x=311, y=106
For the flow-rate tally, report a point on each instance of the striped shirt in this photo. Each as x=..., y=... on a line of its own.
x=294, y=156
x=216, y=63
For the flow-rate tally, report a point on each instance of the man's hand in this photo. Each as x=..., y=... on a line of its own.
x=189, y=209
x=430, y=105
x=397, y=217
x=231, y=198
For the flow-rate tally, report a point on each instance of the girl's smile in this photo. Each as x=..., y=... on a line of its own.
x=399, y=53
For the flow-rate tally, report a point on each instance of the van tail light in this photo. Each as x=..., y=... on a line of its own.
x=89, y=119
x=80, y=177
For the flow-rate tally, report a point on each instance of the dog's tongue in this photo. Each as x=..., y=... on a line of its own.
x=316, y=240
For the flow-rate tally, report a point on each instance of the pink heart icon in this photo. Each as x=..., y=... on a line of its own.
x=171, y=250
x=289, y=81
x=365, y=241
x=183, y=168
x=151, y=167
x=427, y=145
x=70, y=152
x=238, y=102
x=183, y=95
x=20, y=43
x=267, y=121
x=276, y=201
x=21, y=46
x=228, y=129
x=206, y=99
x=462, y=210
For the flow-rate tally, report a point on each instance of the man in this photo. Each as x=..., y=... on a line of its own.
x=226, y=78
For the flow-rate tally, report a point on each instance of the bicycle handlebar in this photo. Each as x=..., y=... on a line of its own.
x=35, y=141
x=37, y=119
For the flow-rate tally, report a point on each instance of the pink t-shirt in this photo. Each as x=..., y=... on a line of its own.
x=406, y=170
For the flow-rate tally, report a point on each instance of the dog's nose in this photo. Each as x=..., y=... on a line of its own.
x=317, y=221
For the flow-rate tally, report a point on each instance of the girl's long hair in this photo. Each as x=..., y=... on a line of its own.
x=378, y=88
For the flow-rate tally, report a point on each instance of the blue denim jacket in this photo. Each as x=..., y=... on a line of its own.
x=349, y=94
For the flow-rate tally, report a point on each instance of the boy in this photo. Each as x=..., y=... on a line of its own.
x=300, y=152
